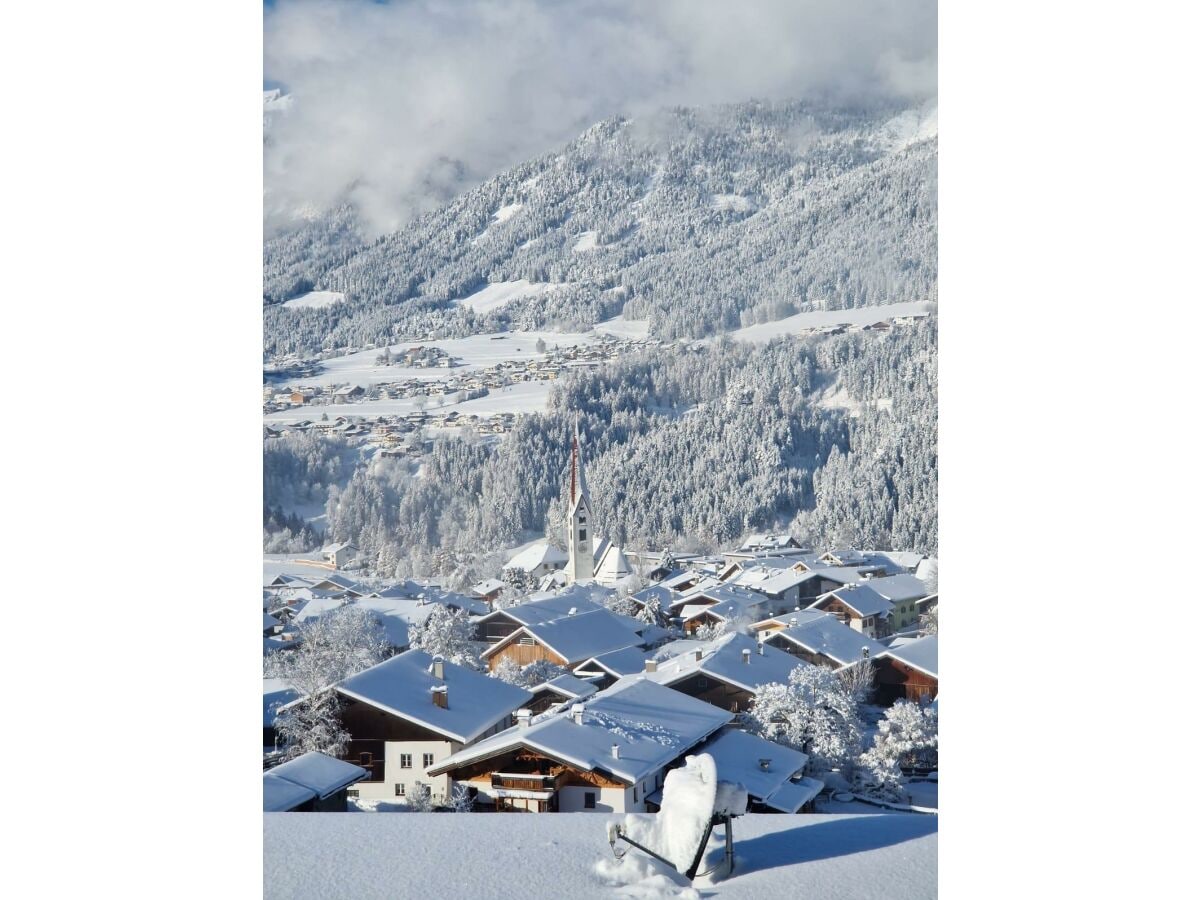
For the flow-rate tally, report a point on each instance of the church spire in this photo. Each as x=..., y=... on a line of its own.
x=580, y=562
x=578, y=483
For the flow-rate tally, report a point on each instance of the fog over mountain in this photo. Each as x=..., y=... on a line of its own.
x=399, y=107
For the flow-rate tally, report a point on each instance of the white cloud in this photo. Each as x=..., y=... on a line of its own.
x=403, y=104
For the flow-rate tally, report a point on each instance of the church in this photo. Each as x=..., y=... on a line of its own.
x=589, y=557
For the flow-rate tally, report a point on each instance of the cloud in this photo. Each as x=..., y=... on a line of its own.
x=401, y=105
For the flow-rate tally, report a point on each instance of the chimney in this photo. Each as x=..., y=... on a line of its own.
x=571, y=611
x=765, y=764
x=441, y=696
x=577, y=713
x=761, y=650
x=523, y=716
x=746, y=655
x=699, y=654
x=651, y=665
x=616, y=751
x=866, y=652
x=439, y=668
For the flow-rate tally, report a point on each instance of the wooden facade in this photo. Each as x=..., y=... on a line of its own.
x=895, y=680
x=523, y=653
x=714, y=691
x=528, y=770
x=370, y=728
x=816, y=659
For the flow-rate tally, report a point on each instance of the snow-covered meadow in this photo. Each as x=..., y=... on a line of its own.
x=822, y=318
x=345, y=855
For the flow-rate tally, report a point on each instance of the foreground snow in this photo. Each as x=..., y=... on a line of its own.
x=557, y=855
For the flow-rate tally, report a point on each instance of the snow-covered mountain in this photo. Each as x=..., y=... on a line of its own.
x=700, y=220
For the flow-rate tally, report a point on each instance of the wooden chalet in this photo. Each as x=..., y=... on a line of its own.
x=907, y=672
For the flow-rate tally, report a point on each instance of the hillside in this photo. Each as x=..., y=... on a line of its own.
x=697, y=220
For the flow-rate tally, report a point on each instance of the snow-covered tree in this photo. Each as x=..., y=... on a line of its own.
x=929, y=621
x=860, y=679
x=332, y=647
x=460, y=799
x=815, y=713
x=447, y=633
x=508, y=670
x=420, y=798
x=527, y=676
x=907, y=736
x=651, y=612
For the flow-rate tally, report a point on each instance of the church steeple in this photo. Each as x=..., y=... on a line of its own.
x=580, y=565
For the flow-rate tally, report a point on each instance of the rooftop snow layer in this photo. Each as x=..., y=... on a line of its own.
x=860, y=598
x=920, y=654
x=281, y=795
x=402, y=684
x=650, y=724
x=536, y=555
x=723, y=658
x=737, y=756
x=578, y=637
x=827, y=636
x=324, y=775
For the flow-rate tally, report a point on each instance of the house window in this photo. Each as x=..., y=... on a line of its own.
x=702, y=682
x=583, y=534
x=583, y=520
x=635, y=793
x=427, y=760
x=399, y=789
x=526, y=642
x=589, y=799
x=406, y=760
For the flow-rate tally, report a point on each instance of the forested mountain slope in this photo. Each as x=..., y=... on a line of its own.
x=700, y=220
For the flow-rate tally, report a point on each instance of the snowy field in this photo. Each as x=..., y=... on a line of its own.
x=315, y=300
x=503, y=293
x=625, y=329
x=562, y=855
x=479, y=351
x=586, y=241
x=867, y=315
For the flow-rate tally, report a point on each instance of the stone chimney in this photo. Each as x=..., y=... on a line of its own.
x=441, y=696
x=439, y=668
x=523, y=717
x=765, y=764
x=577, y=713
x=651, y=665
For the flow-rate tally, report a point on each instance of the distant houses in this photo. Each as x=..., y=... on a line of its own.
x=312, y=782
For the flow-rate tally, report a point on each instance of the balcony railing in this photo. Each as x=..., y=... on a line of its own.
x=518, y=781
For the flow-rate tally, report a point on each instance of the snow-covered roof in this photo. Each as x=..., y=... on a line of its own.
x=663, y=595
x=401, y=686
x=827, y=636
x=768, y=542
x=905, y=559
x=539, y=554
x=737, y=756
x=673, y=580
x=281, y=795
x=269, y=621
x=899, y=588
x=748, y=608
x=791, y=619
x=651, y=725
x=484, y=588
x=575, y=638
x=334, y=548
x=723, y=659
x=546, y=609
x=567, y=685
x=612, y=564
x=794, y=794
x=625, y=661
x=321, y=774
x=784, y=581
x=713, y=591
x=921, y=654
x=860, y=598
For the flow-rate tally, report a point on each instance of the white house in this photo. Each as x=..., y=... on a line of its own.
x=413, y=711
x=339, y=555
x=538, y=560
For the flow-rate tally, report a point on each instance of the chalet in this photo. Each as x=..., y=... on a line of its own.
x=566, y=641
x=348, y=393
x=414, y=710
x=300, y=397
x=858, y=606
x=312, y=782
x=727, y=612
x=725, y=672
x=488, y=590
x=904, y=591
x=772, y=774
x=825, y=641
x=563, y=689
x=538, y=560
x=659, y=597
x=907, y=672
x=340, y=554
x=602, y=755
x=766, y=627
x=769, y=542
